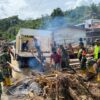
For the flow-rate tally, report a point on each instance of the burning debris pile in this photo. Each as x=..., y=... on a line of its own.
x=54, y=86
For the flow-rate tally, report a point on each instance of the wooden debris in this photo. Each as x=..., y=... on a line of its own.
x=61, y=86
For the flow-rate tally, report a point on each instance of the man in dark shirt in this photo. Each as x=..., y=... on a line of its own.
x=81, y=41
x=65, y=57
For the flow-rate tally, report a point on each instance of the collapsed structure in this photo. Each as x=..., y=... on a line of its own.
x=55, y=86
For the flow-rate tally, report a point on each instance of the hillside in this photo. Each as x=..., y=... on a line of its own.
x=10, y=26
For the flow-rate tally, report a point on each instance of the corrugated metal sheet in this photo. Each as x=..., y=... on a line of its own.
x=31, y=32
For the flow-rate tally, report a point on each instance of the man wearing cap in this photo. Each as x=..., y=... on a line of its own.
x=97, y=49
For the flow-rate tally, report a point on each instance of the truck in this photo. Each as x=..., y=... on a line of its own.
x=24, y=34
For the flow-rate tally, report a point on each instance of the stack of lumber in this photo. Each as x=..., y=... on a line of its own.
x=75, y=62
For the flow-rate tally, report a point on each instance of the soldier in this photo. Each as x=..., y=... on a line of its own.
x=7, y=57
x=82, y=58
x=6, y=74
x=65, y=57
x=1, y=80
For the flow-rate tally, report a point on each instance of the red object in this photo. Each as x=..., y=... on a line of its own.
x=56, y=58
x=96, y=26
x=59, y=51
x=83, y=53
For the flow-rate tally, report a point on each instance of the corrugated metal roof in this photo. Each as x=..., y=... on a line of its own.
x=31, y=32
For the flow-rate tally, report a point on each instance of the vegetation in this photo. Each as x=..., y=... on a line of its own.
x=10, y=26
x=57, y=12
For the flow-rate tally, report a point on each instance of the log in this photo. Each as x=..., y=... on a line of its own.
x=84, y=85
x=73, y=94
x=64, y=86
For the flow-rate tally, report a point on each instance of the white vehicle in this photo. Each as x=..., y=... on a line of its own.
x=27, y=34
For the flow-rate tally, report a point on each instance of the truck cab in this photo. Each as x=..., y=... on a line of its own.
x=24, y=35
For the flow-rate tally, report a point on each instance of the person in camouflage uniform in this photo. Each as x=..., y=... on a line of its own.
x=7, y=57
x=1, y=80
x=6, y=74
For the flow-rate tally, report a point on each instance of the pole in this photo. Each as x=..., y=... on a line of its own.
x=20, y=43
x=57, y=94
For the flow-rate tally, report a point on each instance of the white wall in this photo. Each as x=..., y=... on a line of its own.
x=69, y=34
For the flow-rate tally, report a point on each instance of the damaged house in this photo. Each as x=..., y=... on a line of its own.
x=92, y=29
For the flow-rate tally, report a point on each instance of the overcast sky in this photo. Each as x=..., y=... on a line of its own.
x=35, y=8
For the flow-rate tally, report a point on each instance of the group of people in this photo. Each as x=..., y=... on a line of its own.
x=5, y=68
x=92, y=65
x=59, y=58
x=89, y=67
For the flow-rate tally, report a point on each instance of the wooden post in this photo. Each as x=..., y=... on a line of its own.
x=57, y=95
x=20, y=43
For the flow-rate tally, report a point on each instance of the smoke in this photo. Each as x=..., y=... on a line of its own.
x=55, y=23
x=63, y=29
x=35, y=65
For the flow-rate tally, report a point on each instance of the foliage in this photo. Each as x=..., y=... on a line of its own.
x=9, y=26
x=57, y=12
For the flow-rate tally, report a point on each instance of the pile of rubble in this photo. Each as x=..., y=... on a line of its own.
x=55, y=86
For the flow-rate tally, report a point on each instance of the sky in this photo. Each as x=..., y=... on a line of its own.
x=27, y=9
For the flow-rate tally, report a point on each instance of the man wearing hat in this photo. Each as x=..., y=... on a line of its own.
x=97, y=49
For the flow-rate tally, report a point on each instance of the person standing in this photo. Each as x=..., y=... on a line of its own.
x=10, y=53
x=97, y=50
x=37, y=44
x=6, y=74
x=81, y=41
x=56, y=58
x=25, y=45
x=30, y=45
x=53, y=46
x=82, y=58
x=65, y=57
x=59, y=50
x=6, y=55
x=1, y=80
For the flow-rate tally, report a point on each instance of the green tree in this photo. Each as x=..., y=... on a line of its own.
x=57, y=12
x=98, y=10
x=94, y=10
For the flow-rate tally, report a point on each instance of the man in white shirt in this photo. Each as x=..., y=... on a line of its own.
x=37, y=44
